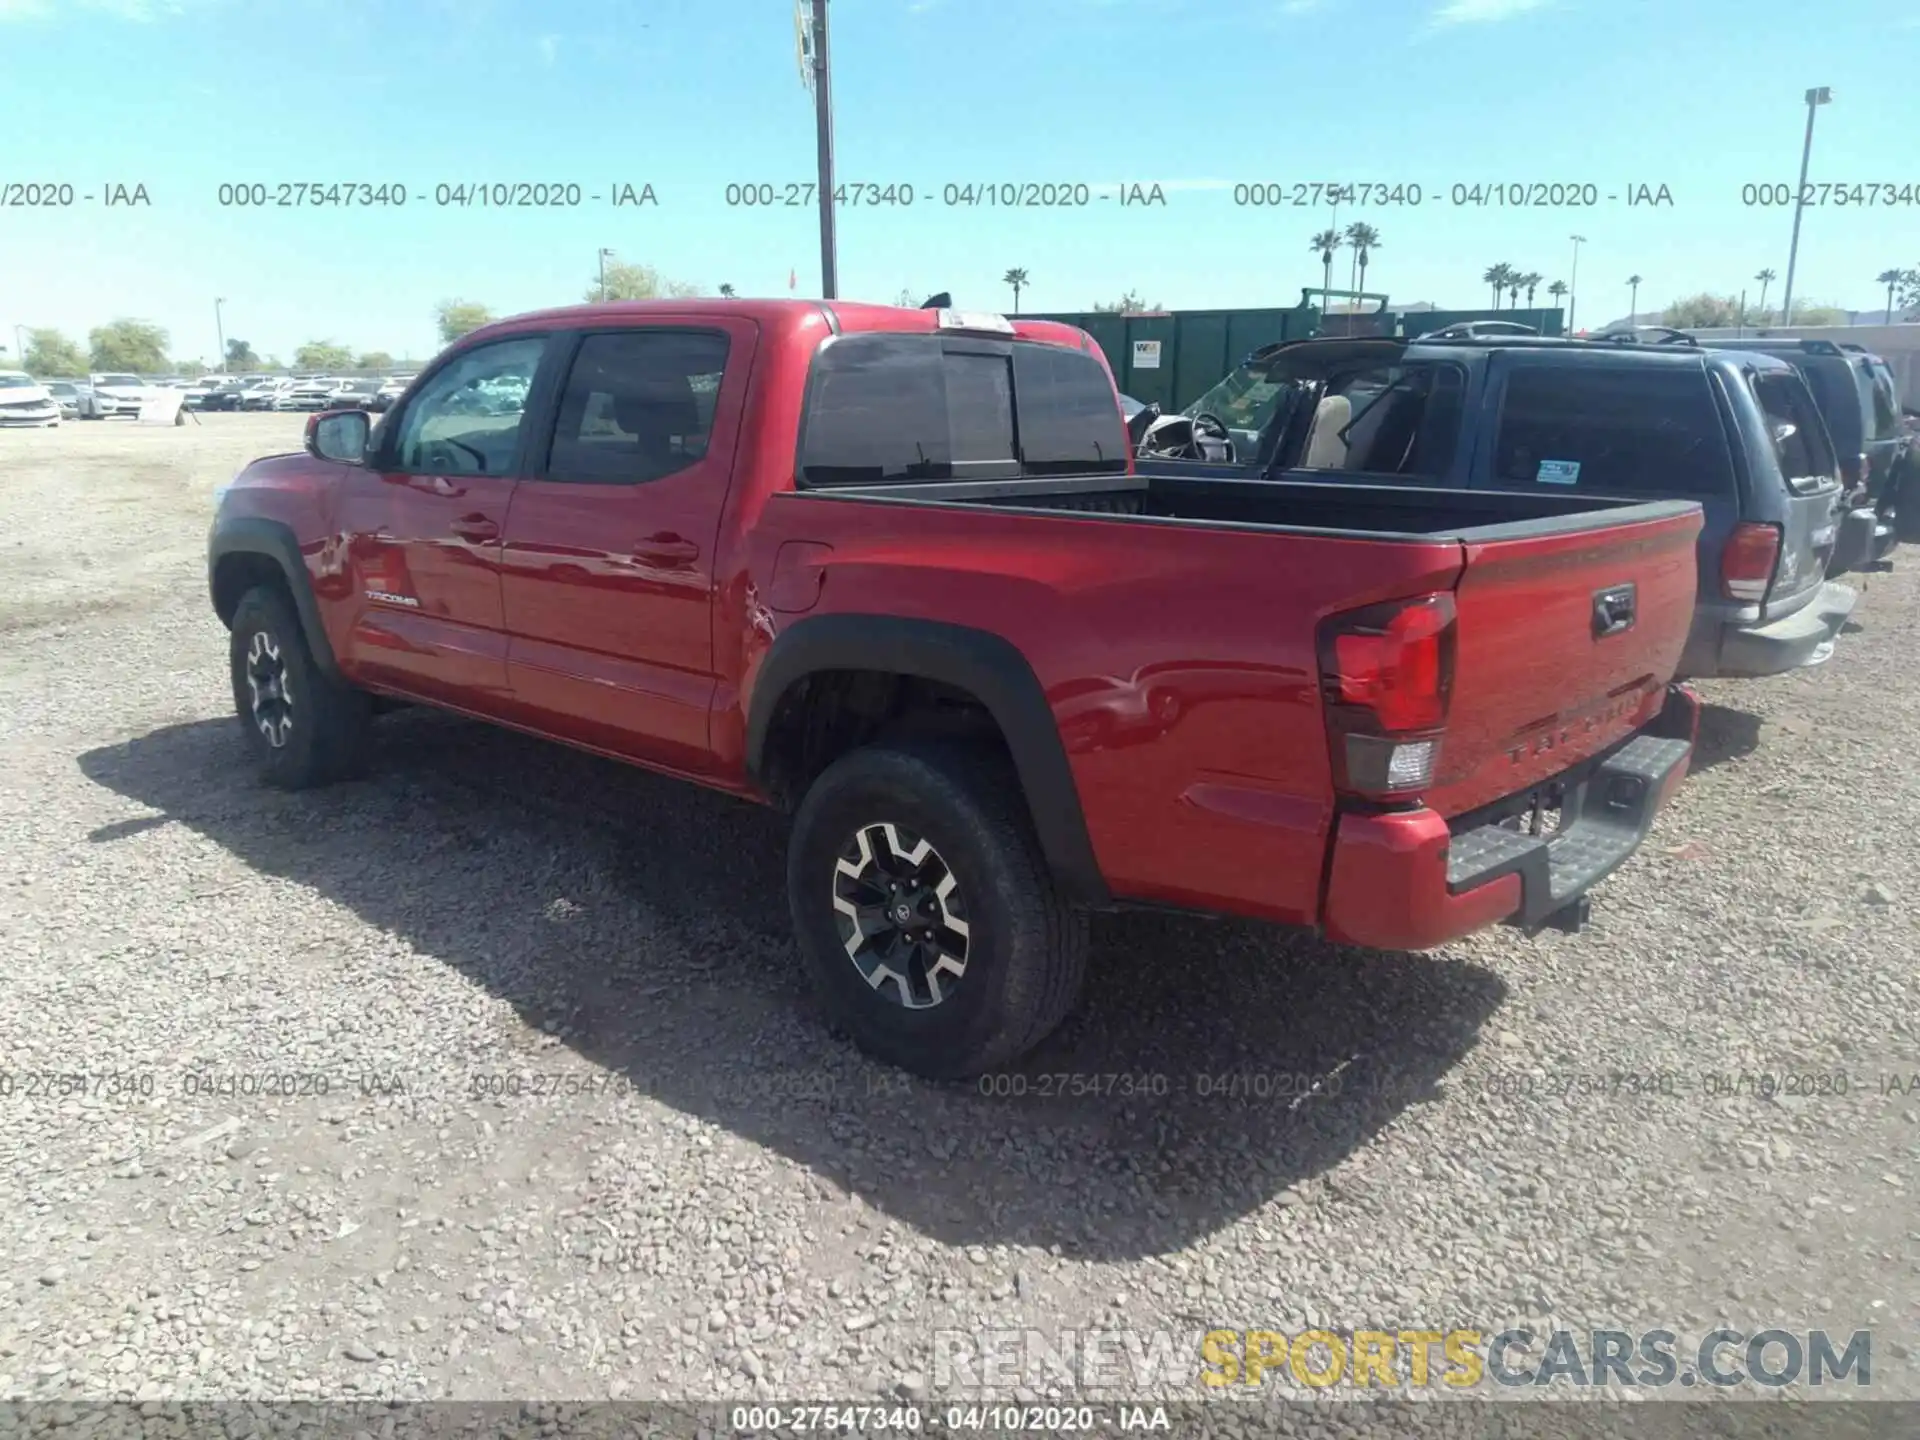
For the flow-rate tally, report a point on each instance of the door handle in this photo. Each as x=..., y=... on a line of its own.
x=475, y=527
x=1613, y=610
x=666, y=550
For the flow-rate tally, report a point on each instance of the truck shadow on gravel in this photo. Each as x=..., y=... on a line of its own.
x=1725, y=734
x=1212, y=1068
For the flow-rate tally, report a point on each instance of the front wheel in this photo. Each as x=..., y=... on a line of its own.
x=303, y=727
x=925, y=911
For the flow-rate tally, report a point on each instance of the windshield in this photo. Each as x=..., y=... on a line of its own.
x=15, y=381
x=118, y=380
x=1244, y=400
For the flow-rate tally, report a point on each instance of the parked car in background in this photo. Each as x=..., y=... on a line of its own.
x=1736, y=432
x=305, y=395
x=224, y=395
x=1479, y=329
x=391, y=389
x=25, y=401
x=260, y=396
x=66, y=395
x=1317, y=705
x=1860, y=403
x=193, y=397
x=353, y=395
x=113, y=393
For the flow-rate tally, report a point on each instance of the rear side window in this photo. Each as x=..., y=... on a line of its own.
x=1886, y=401
x=888, y=408
x=1640, y=430
x=1799, y=438
x=638, y=405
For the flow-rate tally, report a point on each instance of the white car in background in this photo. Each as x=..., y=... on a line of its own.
x=113, y=394
x=25, y=401
x=66, y=394
x=262, y=395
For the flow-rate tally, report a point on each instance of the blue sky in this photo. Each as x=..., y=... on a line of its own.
x=1701, y=96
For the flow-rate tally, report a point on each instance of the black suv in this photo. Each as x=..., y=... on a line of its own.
x=1738, y=432
x=1860, y=403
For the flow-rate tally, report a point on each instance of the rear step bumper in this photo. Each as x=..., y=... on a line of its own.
x=1406, y=881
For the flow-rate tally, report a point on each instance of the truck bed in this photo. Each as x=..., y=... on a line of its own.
x=1379, y=512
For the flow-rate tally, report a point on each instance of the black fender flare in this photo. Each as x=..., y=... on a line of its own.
x=983, y=664
x=256, y=535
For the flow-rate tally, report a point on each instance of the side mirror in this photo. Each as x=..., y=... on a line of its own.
x=339, y=435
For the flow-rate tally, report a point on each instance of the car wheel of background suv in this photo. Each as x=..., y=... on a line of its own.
x=925, y=911
x=304, y=729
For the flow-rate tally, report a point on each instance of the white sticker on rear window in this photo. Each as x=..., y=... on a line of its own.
x=1559, y=472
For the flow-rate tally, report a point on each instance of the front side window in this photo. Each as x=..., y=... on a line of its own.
x=1644, y=430
x=638, y=405
x=1387, y=420
x=467, y=419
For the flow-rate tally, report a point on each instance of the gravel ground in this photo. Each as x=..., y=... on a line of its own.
x=712, y=1196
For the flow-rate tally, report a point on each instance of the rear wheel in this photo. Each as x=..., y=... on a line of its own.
x=925, y=911
x=303, y=727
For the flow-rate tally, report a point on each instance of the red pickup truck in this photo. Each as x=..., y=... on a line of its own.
x=893, y=570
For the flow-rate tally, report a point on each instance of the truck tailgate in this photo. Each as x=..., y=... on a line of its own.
x=1566, y=644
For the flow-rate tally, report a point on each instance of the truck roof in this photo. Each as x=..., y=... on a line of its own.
x=841, y=316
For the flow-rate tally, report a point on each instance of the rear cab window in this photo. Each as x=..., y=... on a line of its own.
x=1633, y=430
x=884, y=408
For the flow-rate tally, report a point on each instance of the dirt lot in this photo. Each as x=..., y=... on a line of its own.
x=712, y=1196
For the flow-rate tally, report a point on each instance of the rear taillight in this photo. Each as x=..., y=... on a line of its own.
x=1386, y=675
x=1748, y=561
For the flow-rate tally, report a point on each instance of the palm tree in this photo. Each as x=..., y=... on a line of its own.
x=1018, y=280
x=1633, y=304
x=1497, y=276
x=726, y=292
x=1557, y=290
x=1766, y=278
x=1532, y=281
x=1326, y=242
x=1364, y=240
x=1890, y=278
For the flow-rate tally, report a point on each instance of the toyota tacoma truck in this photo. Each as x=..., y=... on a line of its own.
x=895, y=572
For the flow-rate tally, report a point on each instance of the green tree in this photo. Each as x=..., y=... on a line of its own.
x=637, y=282
x=1499, y=277
x=51, y=353
x=191, y=369
x=1910, y=287
x=323, y=355
x=240, y=356
x=1325, y=242
x=1018, y=280
x=132, y=345
x=1363, y=240
x=1128, y=304
x=374, y=360
x=459, y=317
x=726, y=292
x=1766, y=278
x=1702, y=312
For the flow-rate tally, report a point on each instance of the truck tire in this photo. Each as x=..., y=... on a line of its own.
x=925, y=911
x=304, y=728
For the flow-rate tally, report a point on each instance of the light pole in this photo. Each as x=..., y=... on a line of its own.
x=1820, y=95
x=603, y=275
x=19, y=345
x=1573, y=281
x=823, y=139
x=220, y=331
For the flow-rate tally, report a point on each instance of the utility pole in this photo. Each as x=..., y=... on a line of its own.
x=1817, y=97
x=819, y=80
x=1573, y=282
x=603, y=275
x=20, y=345
x=220, y=331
